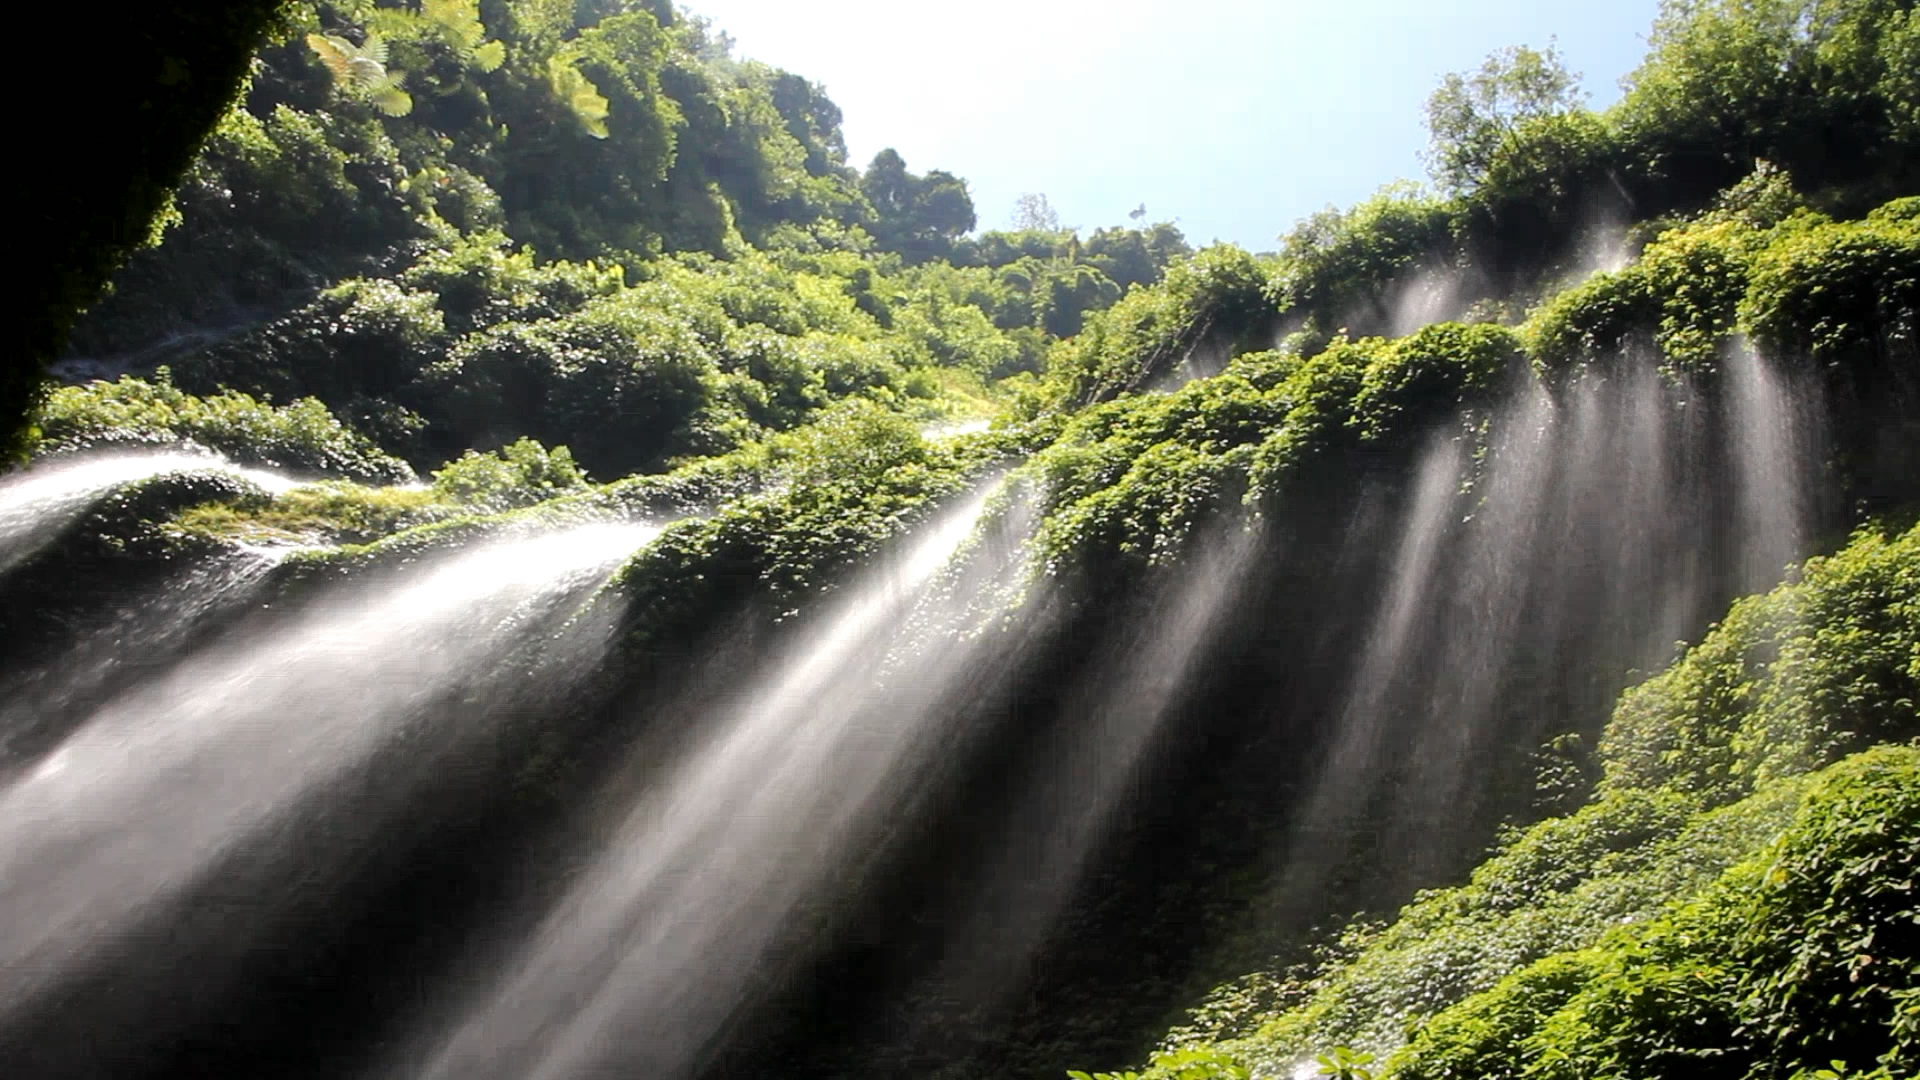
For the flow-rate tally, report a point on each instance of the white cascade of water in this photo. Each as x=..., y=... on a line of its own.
x=1775, y=436
x=37, y=698
x=1080, y=779
x=38, y=502
x=177, y=773
x=645, y=959
x=1597, y=530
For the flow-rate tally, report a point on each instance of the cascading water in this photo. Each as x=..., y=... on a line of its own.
x=1582, y=530
x=1777, y=444
x=1079, y=780
x=39, y=702
x=38, y=503
x=212, y=764
x=641, y=964
x=1584, y=542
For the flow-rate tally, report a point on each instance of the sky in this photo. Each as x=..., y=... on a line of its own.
x=1231, y=118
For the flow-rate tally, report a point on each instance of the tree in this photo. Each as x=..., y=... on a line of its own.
x=1471, y=115
x=918, y=216
x=1032, y=211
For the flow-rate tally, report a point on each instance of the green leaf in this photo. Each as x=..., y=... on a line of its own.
x=578, y=93
x=336, y=53
x=490, y=56
x=392, y=100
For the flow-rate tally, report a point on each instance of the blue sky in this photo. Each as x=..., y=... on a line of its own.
x=1234, y=118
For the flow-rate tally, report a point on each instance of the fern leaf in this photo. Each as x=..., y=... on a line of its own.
x=335, y=52
x=490, y=56
x=393, y=101
x=366, y=74
x=579, y=94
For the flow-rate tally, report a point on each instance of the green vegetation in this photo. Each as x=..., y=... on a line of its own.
x=302, y=437
x=104, y=186
x=576, y=261
x=1727, y=904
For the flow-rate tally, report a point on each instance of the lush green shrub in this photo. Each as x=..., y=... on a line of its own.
x=1806, y=953
x=1681, y=297
x=1427, y=376
x=365, y=337
x=628, y=385
x=1839, y=291
x=1787, y=681
x=302, y=437
x=519, y=474
x=1337, y=266
x=478, y=281
x=1216, y=299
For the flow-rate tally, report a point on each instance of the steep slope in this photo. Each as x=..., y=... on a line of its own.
x=1280, y=587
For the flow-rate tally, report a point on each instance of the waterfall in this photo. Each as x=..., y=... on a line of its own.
x=218, y=757
x=1079, y=780
x=1600, y=524
x=37, y=504
x=40, y=701
x=159, y=803
x=641, y=964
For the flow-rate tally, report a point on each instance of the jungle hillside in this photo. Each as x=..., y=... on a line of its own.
x=519, y=558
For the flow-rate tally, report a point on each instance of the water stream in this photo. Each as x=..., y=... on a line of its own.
x=178, y=773
x=39, y=503
x=1583, y=530
x=646, y=958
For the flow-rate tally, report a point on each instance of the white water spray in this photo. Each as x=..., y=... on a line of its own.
x=38, y=699
x=648, y=956
x=1588, y=544
x=173, y=776
x=1081, y=779
x=1774, y=439
x=37, y=504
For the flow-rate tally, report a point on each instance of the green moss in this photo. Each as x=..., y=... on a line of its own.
x=324, y=513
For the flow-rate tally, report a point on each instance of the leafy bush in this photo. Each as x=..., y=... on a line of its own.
x=478, y=282
x=1526, y=969
x=519, y=474
x=365, y=337
x=1840, y=290
x=1218, y=299
x=300, y=437
x=630, y=386
x=1787, y=681
x=1805, y=953
x=1337, y=267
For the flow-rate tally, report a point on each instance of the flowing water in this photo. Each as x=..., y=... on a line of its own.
x=1514, y=576
x=1599, y=526
x=38, y=504
x=1076, y=784
x=644, y=961
x=180, y=773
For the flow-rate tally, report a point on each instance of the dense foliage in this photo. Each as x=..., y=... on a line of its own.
x=1714, y=910
x=170, y=69
x=577, y=261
